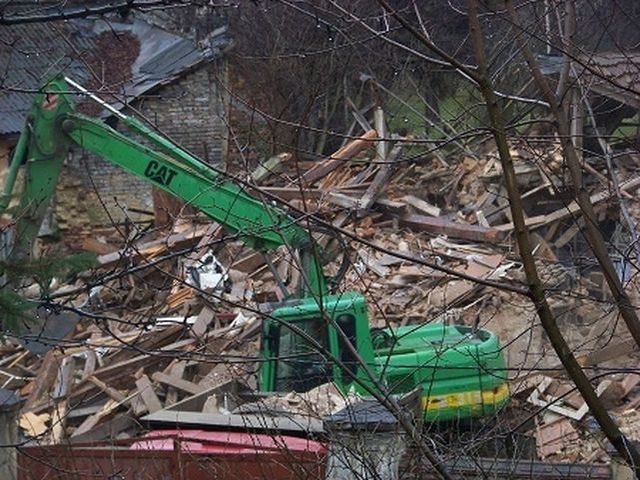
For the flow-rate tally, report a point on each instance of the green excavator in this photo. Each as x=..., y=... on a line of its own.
x=314, y=336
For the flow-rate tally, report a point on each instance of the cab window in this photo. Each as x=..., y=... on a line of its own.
x=300, y=367
x=347, y=323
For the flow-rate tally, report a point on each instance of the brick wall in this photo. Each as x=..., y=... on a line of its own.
x=190, y=110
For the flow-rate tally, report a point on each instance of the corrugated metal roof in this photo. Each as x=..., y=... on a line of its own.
x=30, y=54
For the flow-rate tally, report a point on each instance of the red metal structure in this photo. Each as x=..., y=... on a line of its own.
x=179, y=455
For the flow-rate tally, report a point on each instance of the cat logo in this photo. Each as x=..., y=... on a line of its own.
x=159, y=173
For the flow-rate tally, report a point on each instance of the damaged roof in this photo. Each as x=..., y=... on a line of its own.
x=128, y=58
x=612, y=74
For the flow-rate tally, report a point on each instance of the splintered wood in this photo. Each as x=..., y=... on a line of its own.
x=111, y=370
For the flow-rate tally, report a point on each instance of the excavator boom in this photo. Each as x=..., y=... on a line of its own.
x=53, y=127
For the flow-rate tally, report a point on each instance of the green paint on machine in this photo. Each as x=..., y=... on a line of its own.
x=306, y=341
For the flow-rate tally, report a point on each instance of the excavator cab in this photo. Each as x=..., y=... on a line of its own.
x=308, y=342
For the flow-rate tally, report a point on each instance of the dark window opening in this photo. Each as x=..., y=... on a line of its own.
x=300, y=366
x=347, y=323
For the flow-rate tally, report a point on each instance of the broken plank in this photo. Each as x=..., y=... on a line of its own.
x=64, y=379
x=379, y=181
x=288, y=194
x=338, y=158
x=147, y=394
x=271, y=166
x=607, y=353
x=630, y=381
x=81, y=412
x=178, y=383
x=145, y=342
x=249, y=263
x=107, y=409
x=421, y=205
x=552, y=438
x=452, y=294
x=442, y=226
x=111, y=392
x=176, y=370
x=342, y=200
x=94, y=245
x=358, y=114
x=138, y=408
x=34, y=425
x=569, y=233
x=482, y=221
x=90, y=363
x=370, y=261
x=391, y=207
x=58, y=421
x=179, y=297
x=381, y=128
x=205, y=317
x=107, y=430
x=90, y=422
x=213, y=234
x=149, y=249
x=47, y=374
x=571, y=209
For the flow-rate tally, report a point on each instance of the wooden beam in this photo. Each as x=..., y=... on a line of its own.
x=175, y=370
x=338, y=158
x=421, y=205
x=438, y=225
x=205, y=317
x=269, y=167
x=47, y=374
x=571, y=209
x=178, y=383
x=379, y=181
x=153, y=248
x=358, y=114
x=110, y=391
x=381, y=146
x=342, y=200
x=148, y=395
x=296, y=193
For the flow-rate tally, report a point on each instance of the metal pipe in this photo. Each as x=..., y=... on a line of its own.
x=96, y=98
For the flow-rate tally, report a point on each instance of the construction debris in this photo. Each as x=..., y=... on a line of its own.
x=168, y=316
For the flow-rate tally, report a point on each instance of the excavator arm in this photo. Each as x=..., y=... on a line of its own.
x=307, y=340
x=53, y=127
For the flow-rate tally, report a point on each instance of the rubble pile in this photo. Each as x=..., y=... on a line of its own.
x=169, y=315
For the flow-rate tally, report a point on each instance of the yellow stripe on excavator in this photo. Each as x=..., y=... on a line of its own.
x=473, y=399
